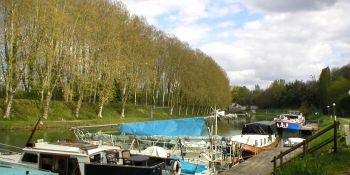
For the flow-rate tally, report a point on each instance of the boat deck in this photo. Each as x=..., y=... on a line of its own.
x=260, y=164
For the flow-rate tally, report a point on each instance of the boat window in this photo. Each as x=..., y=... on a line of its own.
x=60, y=163
x=46, y=163
x=95, y=159
x=29, y=157
x=73, y=166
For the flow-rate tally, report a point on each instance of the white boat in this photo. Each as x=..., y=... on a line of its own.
x=187, y=139
x=290, y=142
x=66, y=158
x=256, y=137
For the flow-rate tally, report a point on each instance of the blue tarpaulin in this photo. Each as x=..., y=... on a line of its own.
x=177, y=127
x=190, y=168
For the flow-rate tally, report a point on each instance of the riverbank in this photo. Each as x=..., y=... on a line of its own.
x=25, y=113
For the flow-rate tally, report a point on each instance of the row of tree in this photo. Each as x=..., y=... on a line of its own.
x=333, y=86
x=95, y=51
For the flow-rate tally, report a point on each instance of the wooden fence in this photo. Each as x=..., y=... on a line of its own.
x=306, y=142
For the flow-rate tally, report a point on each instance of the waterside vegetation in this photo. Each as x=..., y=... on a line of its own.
x=324, y=161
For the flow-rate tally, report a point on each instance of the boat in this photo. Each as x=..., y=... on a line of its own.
x=65, y=157
x=12, y=169
x=257, y=137
x=292, y=141
x=187, y=138
x=290, y=120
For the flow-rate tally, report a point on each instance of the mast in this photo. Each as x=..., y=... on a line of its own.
x=33, y=131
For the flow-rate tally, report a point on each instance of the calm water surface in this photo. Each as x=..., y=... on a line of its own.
x=18, y=138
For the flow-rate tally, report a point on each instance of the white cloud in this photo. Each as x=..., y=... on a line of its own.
x=257, y=41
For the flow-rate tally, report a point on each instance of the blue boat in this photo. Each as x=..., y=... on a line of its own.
x=7, y=169
x=290, y=120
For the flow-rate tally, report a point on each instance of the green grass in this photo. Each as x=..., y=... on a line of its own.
x=323, y=161
x=25, y=113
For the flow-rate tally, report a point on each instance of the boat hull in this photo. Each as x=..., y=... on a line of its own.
x=288, y=125
x=250, y=150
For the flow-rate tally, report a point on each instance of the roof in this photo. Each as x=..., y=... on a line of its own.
x=176, y=127
x=15, y=169
x=260, y=127
x=69, y=148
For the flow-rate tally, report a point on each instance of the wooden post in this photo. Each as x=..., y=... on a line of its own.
x=335, y=136
x=274, y=163
x=281, y=159
x=304, y=148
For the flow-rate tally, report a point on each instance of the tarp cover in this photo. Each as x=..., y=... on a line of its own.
x=190, y=168
x=260, y=127
x=155, y=151
x=177, y=127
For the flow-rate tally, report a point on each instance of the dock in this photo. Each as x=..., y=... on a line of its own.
x=310, y=127
x=260, y=164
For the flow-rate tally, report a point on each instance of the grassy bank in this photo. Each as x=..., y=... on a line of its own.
x=25, y=113
x=323, y=161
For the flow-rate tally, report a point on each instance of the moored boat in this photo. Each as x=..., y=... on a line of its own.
x=290, y=120
x=19, y=170
x=257, y=137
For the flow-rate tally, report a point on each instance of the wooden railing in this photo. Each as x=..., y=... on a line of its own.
x=305, y=144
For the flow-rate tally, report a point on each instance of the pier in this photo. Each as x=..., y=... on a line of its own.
x=260, y=164
x=309, y=127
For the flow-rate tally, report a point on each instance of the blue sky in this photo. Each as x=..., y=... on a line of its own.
x=258, y=41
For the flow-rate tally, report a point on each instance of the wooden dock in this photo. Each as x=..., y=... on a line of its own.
x=310, y=127
x=260, y=164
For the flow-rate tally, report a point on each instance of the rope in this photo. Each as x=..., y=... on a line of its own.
x=10, y=146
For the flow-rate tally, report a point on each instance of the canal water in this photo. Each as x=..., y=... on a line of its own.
x=15, y=140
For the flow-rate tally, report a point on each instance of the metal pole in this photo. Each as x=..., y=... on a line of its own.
x=328, y=110
x=334, y=111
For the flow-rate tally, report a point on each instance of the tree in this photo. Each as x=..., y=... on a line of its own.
x=323, y=92
x=15, y=52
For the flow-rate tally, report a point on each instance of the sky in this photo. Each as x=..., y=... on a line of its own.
x=258, y=41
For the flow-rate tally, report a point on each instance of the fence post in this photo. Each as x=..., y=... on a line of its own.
x=304, y=148
x=335, y=135
x=274, y=163
x=281, y=159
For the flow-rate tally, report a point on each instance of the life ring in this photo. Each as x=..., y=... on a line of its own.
x=176, y=167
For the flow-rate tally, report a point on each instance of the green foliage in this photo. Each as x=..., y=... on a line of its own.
x=306, y=166
x=324, y=84
x=323, y=161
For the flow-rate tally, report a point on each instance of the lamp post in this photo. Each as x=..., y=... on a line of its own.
x=334, y=111
x=328, y=110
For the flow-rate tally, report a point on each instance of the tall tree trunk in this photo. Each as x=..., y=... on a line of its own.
x=77, y=110
x=47, y=105
x=146, y=97
x=135, y=98
x=123, y=110
x=180, y=104
x=101, y=109
x=124, y=98
x=187, y=106
x=9, y=105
